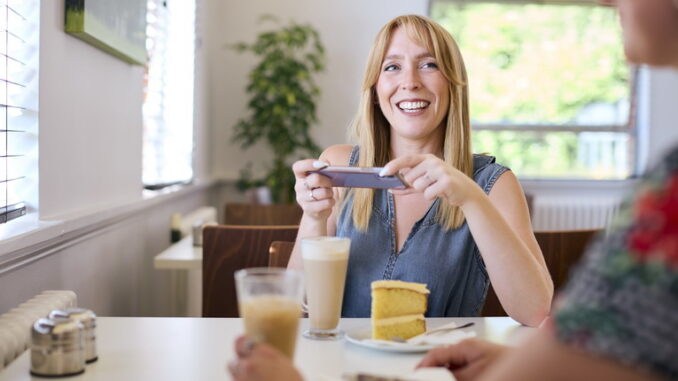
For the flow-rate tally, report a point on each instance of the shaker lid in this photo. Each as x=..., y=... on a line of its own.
x=54, y=330
x=82, y=314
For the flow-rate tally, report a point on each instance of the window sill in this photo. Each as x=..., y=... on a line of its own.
x=29, y=238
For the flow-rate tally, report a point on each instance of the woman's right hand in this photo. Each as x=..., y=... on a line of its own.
x=314, y=191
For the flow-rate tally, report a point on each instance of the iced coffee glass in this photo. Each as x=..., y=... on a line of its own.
x=325, y=262
x=269, y=301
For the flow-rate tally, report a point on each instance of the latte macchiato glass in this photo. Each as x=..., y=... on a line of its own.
x=325, y=262
x=269, y=301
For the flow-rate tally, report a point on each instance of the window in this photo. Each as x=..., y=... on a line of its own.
x=18, y=106
x=550, y=91
x=168, y=103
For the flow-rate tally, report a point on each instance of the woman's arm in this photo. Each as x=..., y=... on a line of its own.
x=319, y=218
x=501, y=227
x=542, y=357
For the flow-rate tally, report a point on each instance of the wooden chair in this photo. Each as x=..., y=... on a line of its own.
x=279, y=253
x=228, y=248
x=255, y=214
x=561, y=250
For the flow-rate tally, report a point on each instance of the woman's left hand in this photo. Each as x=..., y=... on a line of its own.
x=430, y=175
x=260, y=362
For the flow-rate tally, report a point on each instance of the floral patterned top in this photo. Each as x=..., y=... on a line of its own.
x=622, y=301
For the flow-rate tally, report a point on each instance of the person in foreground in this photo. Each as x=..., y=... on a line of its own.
x=462, y=224
x=616, y=320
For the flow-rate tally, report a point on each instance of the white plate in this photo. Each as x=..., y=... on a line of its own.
x=362, y=336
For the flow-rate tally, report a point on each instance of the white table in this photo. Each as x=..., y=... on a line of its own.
x=185, y=262
x=199, y=349
x=181, y=255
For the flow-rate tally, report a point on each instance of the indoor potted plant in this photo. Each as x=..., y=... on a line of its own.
x=282, y=103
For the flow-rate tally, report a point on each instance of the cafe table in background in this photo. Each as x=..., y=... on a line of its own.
x=136, y=348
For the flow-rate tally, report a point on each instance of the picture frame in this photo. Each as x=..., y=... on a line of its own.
x=117, y=27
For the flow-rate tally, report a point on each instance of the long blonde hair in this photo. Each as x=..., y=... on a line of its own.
x=372, y=131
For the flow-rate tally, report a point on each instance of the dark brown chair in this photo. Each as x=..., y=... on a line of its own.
x=228, y=248
x=256, y=214
x=279, y=253
x=561, y=249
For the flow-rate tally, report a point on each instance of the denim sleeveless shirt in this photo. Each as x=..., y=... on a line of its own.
x=447, y=261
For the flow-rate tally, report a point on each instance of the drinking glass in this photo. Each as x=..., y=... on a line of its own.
x=269, y=302
x=325, y=262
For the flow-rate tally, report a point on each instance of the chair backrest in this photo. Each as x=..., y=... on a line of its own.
x=279, y=253
x=256, y=214
x=561, y=249
x=228, y=248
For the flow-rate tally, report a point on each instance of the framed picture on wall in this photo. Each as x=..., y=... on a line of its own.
x=117, y=27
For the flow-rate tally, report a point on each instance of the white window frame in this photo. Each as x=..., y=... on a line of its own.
x=169, y=94
x=19, y=107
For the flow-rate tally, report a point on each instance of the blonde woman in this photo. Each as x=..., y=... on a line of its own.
x=462, y=224
x=617, y=319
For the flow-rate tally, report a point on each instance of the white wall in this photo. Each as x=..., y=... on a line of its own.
x=90, y=122
x=347, y=29
x=90, y=169
x=661, y=113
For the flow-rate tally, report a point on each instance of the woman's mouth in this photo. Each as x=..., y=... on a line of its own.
x=412, y=106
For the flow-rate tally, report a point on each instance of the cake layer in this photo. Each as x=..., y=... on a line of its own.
x=389, y=302
x=402, y=327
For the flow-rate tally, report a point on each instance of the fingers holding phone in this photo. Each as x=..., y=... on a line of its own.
x=314, y=192
x=430, y=175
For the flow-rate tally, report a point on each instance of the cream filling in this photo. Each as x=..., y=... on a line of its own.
x=412, y=286
x=397, y=320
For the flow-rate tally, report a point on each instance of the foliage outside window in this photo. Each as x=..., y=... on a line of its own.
x=549, y=86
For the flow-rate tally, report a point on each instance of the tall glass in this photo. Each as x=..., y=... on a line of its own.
x=325, y=262
x=269, y=301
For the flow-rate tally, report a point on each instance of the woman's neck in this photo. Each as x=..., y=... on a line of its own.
x=433, y=144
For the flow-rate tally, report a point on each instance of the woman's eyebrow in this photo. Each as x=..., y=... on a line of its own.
x=399, y=56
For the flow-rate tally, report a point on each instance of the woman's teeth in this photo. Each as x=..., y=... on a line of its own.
x=412, y=106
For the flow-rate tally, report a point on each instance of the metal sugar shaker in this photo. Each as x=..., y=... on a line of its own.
x=88, y=320
x=57, y=347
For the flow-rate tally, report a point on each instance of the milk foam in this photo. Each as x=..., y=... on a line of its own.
x=325, y=248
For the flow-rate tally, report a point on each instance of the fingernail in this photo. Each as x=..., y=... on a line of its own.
x=382, y=173
x=319, y=164
x=390, y=191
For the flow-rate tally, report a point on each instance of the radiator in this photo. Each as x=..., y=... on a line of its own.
x=573, y=213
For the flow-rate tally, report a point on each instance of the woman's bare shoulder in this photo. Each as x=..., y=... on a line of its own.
x=338, y=154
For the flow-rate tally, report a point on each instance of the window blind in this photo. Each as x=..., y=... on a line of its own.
x=18, y=103
x=168, y=97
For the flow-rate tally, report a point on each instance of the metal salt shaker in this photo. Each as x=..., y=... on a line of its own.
x=57, y=347
x=88, y=320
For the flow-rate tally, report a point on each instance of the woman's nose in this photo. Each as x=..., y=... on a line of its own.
x=411, y=80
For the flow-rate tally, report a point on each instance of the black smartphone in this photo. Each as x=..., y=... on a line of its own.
x=361, y=177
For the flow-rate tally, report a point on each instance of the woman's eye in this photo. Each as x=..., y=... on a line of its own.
x=430, y=65
x=390, y=67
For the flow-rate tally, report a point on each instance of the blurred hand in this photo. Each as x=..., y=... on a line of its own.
x=314, y=192
x=430, y=175
x=260, y=362
x=466, y=360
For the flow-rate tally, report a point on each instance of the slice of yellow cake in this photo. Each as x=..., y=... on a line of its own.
x=398, y=309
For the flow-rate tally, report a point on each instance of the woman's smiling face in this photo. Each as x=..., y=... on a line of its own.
x=413, y=94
